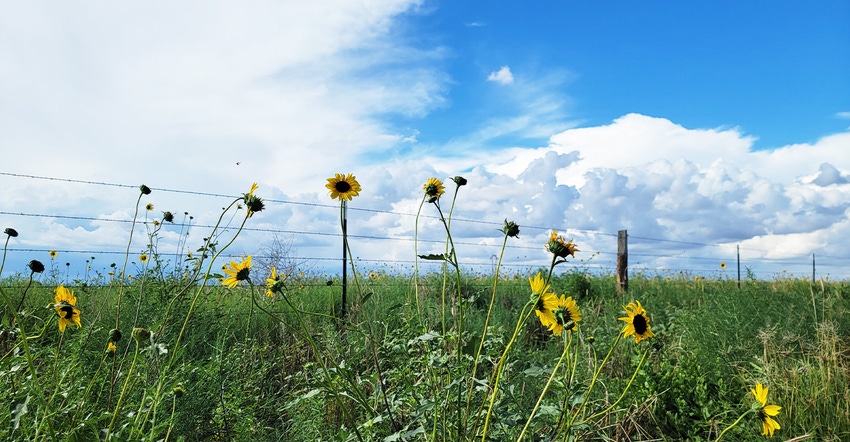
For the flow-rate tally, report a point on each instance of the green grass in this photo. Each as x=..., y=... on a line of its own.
x=387, y=374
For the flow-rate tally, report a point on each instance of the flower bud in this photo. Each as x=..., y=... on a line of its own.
x=11, y=232
x=145, y=189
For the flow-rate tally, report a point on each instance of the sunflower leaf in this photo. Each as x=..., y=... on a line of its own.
x=435, y=257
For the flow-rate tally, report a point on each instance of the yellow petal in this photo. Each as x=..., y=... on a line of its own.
x=771, y=410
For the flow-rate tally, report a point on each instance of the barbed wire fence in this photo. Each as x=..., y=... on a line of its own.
x=646, y=254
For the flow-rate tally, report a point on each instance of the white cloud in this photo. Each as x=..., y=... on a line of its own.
x=502, y=76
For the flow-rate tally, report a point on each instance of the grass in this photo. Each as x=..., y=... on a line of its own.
x=447, y=356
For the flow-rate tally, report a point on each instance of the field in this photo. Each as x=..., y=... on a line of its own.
x=247, y=354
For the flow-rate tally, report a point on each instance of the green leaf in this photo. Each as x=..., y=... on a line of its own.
x=435, y=257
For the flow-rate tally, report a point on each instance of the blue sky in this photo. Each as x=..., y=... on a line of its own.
x=699, y=127
x=777, y=70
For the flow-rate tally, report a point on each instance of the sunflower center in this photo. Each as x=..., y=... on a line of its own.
x=242, y=274
x=342, y=186
x=639, y=322
x=431, y=190
x=67, y=311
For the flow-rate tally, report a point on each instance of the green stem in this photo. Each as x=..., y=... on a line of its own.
x=123, y=392
x=546, y=388
x=733, y=425
x=592, y=384
x=486, y=324
x=625, y=390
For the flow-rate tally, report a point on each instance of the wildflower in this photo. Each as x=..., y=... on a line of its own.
x=238, y=271
x=115, y=335
x=36, y=266
x=149, y=207
x=156, y=223
x=511, y=229
x=566, y=315
x=254, y=203
x=547, y=302
x=143, y=258
x=52, y=254
x=141, y=334
x=11, y=232
x=274, y=283
x=168, y=216
x=538, y=285
x=459, y=180
x=637, y=322
x=111, y=347
x=65, y=304
x=560, y=247
x=433, y=189
x=722, y=265
x=145, y=189
x=179, y=390
x=343, y=187
x=765, y=411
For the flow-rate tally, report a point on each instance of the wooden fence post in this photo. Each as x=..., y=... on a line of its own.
x=622, y=261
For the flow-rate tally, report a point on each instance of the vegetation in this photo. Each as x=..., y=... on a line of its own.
x=560, y=354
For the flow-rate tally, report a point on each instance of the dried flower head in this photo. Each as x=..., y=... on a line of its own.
x=36, y=266
x=11, y=232
x=145, y=189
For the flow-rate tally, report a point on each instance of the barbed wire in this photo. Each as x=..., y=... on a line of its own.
x=639, y=238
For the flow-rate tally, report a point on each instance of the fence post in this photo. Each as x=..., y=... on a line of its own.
x=622, y=261
x=813, y=268
x=738, y=249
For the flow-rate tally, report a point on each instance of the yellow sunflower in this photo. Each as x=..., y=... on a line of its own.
x=274, y=283
x=111, y=347
x=143, y=258
x=565, y=316
x=253, y=202
x=560, y=247
x=722, y=265
x=52, y=254
x=238, y=271
x=637, y=322
x=766, y=411
x=65, y=304
x=343, y=187
x=538, y=285
x=433, y=189
x=149, y=207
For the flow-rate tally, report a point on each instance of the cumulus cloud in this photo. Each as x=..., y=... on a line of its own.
x=502, y=76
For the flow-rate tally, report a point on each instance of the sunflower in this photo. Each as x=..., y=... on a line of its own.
x=274, y=283
x=637, y=322
x=111, y=347
x=433, y=189
x=149, y=207
x=143, y=258
x=65, y=303
x=238, y=271
x=547, y=302
x=538, y=285
x=254, y=203
x=52, y=254
x=343, y=187
x=560, y=247
x=765, y=411
x=722, y=265
x=566, y=314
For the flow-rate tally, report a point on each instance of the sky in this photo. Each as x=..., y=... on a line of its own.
x=706, y=130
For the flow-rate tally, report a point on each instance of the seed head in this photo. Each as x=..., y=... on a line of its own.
x=36, y=266
x=145, y=189
x=11, y=232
